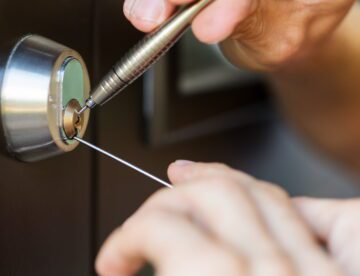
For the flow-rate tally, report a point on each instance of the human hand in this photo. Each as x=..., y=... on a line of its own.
x=216, y=221
x=337, y=224
x=262, y=34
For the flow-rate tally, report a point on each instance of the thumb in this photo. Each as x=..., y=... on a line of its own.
x=146, y=15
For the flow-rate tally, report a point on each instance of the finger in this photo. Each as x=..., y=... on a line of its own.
x=146, y=15
x=275, y=209
x=170, y=242
x=320, y=214
x=219, y=20
x=181, y=2
x=227, y=211
x=212, y=25
x=289, y=230
x=183, y=171
x=337, y=222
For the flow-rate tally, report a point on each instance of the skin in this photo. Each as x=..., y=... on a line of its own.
x=261, y=34
x=219, y=221
x=309, y=49
x=319, y=94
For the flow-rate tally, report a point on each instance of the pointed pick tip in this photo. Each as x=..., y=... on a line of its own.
x=82, y=110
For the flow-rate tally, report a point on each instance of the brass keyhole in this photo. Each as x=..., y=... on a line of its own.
x=72, y=121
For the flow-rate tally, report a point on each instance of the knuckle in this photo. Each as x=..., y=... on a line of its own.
x=287, y=47
x=285, y=51
x=275, y=190
x=212, y=170
x=216, y=168
x=220, y=173
x=224, y=185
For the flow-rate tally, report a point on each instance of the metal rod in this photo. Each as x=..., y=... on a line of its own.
x=82, y=110
x=143, y=55
x=162, y=182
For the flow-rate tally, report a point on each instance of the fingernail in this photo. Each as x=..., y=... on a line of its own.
x=183, y=162
x=145, y=10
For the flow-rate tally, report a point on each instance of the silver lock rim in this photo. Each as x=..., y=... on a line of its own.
x=31, y=98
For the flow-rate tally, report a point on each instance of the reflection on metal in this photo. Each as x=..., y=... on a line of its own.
x=148, y=51
x=39, y=79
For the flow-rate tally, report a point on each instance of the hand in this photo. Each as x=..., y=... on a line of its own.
x=216, y=221
x=263, y=34
x=337, y=224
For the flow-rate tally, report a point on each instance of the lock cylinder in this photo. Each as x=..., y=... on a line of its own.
x=43, y=86
x=72, y=120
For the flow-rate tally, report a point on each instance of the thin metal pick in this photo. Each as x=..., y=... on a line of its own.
x=162, y=182
x=82, y=110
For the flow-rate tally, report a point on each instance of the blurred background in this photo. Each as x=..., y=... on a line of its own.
x=55, y=214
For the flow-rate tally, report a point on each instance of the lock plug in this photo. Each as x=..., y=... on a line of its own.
x=72, y=120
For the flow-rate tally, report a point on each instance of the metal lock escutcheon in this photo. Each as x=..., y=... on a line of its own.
x=42, y=86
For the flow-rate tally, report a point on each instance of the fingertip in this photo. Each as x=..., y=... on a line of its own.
x=204, y=36
x=176, y=170
x=219, y=20
x=141, y=25
x=104, y=265
x=111, y=262
x=205, y=33
x=109, y=259
x=320, y=214
x=146, y=15
x=144, y=26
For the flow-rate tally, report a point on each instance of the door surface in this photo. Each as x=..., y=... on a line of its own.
x=45, y=207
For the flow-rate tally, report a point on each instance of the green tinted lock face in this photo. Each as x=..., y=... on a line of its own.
x=73, y=98
x=40, y=80
x=73, y=83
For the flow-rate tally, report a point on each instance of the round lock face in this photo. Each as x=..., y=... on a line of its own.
x=44, y=85
x=72, y=99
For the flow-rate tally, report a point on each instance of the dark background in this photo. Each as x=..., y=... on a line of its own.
x=55, y=214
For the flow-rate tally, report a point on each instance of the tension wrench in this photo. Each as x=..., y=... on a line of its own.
x=118, y=159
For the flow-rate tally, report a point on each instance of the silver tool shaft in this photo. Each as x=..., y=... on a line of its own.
x=162, y=182
x=144, y=55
